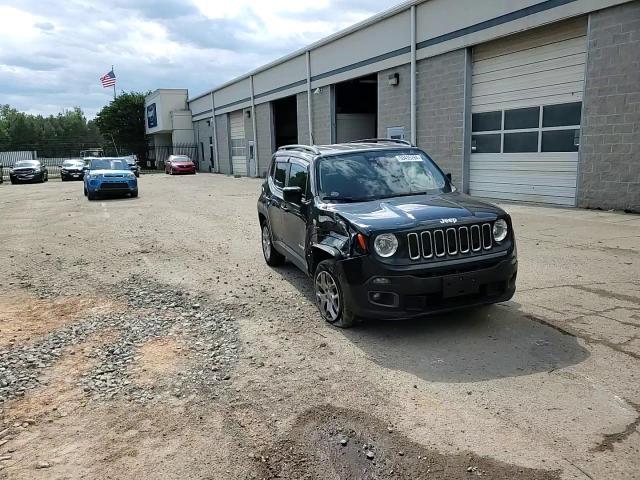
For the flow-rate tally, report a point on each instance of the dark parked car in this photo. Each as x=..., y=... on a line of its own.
x=383, y=232
x=28, y=171
x=72, y=170
x=132, y=161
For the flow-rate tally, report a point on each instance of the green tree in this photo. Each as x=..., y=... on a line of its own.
x=122, y=121
x=62, y=135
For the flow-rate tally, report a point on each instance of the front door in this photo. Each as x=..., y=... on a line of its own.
x=277, y=181
x=295, y=214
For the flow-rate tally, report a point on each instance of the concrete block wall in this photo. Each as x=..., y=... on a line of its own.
x=440, y=110
x=265, y=137
x=321, y=105
x=609, y=172
x=222, y=134
x=303, y=119
x=394, y=102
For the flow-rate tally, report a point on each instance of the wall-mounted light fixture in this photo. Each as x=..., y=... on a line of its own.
x=394, y=80
x=317, y=91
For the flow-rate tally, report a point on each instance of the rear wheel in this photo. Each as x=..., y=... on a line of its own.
x=271, y=256
x=331, y=302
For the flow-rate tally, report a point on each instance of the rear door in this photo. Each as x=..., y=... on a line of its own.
x=295, y=214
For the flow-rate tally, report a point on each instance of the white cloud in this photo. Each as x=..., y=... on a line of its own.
x=53, y=53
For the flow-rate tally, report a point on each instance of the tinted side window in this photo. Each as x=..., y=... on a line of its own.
x=280, y=174
x=298, y=177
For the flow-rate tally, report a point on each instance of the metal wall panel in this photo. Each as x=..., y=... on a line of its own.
x=238, y=142
x=541, y=67
x=200, y=105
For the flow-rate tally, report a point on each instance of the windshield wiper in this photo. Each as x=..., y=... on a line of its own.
x=348, y=199
x=409, y=194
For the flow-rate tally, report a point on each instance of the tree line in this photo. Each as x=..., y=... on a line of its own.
x=118, y=129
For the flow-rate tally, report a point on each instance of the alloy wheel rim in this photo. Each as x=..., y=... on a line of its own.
x=266, y=242
x=328, y=296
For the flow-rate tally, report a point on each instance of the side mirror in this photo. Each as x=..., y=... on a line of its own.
x=448, y=175
x=292, y=194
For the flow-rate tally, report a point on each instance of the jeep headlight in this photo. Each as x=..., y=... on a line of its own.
x=385, y=244
x=500, y=230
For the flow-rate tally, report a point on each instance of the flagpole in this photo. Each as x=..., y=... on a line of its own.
x=114, y=85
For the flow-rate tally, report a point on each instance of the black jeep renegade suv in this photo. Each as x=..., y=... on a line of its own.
x=383, y=232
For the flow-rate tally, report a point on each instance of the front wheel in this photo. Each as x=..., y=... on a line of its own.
x=331, y=302
x=91, y=195
x=134, y=194
x=271, y=256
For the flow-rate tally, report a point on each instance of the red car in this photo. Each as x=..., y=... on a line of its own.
x=179, y=164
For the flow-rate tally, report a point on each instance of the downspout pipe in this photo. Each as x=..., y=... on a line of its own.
x=309, y=103
x=215, y=134
x=414, y=122
x=255, y=132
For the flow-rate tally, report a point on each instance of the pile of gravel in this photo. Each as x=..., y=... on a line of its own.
x=206, y=333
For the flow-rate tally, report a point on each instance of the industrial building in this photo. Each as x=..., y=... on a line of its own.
x=524, y=100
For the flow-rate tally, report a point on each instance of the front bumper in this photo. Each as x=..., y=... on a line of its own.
x=72, y=175
x=427, y=291
x=30, y=178
x=183, y=169
x=113, y=186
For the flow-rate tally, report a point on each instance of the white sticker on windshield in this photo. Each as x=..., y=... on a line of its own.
x=409, y=158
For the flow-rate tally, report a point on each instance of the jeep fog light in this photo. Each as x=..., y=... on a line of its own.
x=386, y=244
x=500, y=230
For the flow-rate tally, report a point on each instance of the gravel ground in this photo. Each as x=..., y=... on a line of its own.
x=147, y=338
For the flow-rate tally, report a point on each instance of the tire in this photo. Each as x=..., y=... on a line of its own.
x=46, y=177
x=13, y=182
x=134, y=194
x=91, y=195
x=331, y=303
x=85, y=190
x=62, y=179
x=271, y=256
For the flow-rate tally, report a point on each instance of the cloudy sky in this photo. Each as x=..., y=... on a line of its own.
x=53, y=52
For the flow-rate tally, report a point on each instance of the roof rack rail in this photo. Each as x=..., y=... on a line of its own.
x=308, y=148
x=382, y=140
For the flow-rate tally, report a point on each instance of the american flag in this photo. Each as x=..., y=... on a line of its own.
x=108, y=79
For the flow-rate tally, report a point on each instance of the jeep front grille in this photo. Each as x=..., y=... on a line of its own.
x=450, y=242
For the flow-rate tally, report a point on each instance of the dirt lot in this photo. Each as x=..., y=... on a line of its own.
x=146, y=338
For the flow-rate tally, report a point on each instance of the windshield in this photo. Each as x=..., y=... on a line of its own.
x=24, y=163
x=108, y=165
x=379, y=174
x=180, y=159
x=72, y=163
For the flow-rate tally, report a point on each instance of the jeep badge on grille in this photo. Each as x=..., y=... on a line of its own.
x=448, y=220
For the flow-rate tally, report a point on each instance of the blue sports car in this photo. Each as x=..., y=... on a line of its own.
x=109, y=175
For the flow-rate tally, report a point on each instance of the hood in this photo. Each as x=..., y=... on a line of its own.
x=415, y=211
x=110, y=173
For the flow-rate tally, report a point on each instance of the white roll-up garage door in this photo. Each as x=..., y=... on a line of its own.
x=238, y=143
x=526, y=109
